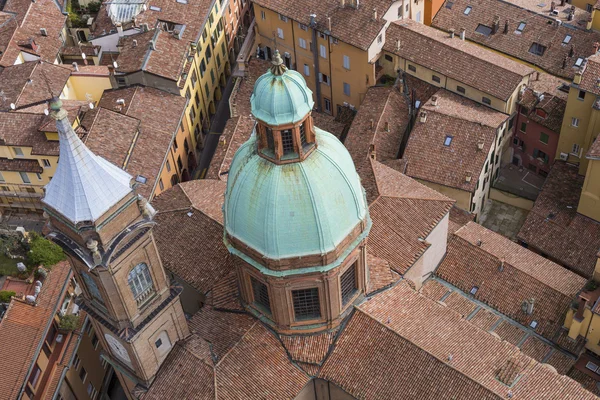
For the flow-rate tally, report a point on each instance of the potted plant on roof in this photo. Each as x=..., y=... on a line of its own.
x=68, y=323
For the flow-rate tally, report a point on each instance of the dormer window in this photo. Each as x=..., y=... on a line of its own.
x=537, y=49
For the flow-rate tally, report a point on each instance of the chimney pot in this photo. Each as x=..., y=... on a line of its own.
x=462, y=33
x=423, y=116
x=451, y=33
x=342, y=3
x=434, y=100
x=552, y=6
x=506, y=27
x=375, y=14
x=572, y=51
x=387, y=126
x=372, y=123
x=134, y=42
x=398, y=45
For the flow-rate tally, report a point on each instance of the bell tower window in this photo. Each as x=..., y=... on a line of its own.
x=287, y=141
x=140, y=283
x=270, y=141
x=302, y=135
x=306, y=304
x=348, y=284
x=261, y=294
x=92, y=287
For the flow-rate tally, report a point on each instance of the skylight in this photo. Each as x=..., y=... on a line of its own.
x=468, y=10
x=447, y=140
x=533, y=324
x=474, y=290
x=567, y=39
x=579, y=62
x=520, y=28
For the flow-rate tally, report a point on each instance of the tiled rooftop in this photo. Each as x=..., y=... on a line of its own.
x=465, y=62
x=21, y=129
x=555, y=228
x=460, y=163
x=591, y=74
x=557, y=39
x=345, y=21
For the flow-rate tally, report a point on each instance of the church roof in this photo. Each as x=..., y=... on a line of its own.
x=84, y=186
x=296, y=209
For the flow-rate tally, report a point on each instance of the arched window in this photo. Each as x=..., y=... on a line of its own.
x=140, y=283
x=92, y=287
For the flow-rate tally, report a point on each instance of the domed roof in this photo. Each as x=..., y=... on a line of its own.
x=297, y=209
x=281, y=96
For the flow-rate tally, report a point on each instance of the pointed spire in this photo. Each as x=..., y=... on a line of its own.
x=278, y=68
x=84, y=186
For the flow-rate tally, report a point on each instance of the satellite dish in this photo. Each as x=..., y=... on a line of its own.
x=83, y=56
x=115, y=64
x=12, y=106
x=91, y=105
x=46, y=112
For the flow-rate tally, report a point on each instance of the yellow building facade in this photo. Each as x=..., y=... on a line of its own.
x=342, y=72
x=589, y=202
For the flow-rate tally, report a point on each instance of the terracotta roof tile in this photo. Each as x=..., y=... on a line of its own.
x=510, y=332
x=380, y=273
x=453, y=105
x=157, y=128
x=457, y=165
x=24, y=326
x=238, y=376
x=591, y=74
x=555, y=228
x=541, y=29
x=21, y=129
x=20, y=165
x=560, y=361
x=226, y=295
x=221, y=329
x=458, y=218
x=553, y=107
x=460, y=304
x=465, y=62
x=594, y=151
x=475, y=353
x=536, y=348
x=345, y=21
x=368, y=350
x=484, y=319
x=308, y=348
x=434, y=290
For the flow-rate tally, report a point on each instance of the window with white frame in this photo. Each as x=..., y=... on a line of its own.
x=140, y=282
x=283, y=18
x=280, y=33
x=574, y=122
x=324, y=78
x=346, y=89
x=302, y=26
x=322, y=51
x=575, y=149
x=18, y=151
x=24, y=177
x=302, y=43
x=306, y=70
x=346, y=62
x=263, y=16
x=46, y=163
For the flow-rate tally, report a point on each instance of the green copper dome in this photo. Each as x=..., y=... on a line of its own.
x=297, y=209
x=281, y=96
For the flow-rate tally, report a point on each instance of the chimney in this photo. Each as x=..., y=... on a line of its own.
x=144, y=27
x=313, y=20
x=434, y=100
x=75, y=66
x=120, y=29
x=480, y=145
x=468, y=178
x=479, y=242
x=134, y=42
x=374, y=14
x=372, y=153
x=552, y=6
x=596, y=47
x=398, y=45
x=462, y=33
x=387, y=126
x=423, y=116
x=495, y=25
x=562, y=3
x=329, y=24
x=564, y=65
x=451, y=33
x=43, y=32
x=342, y=3
x=528, y=306
x=571, y=14
x=537, y=76
x=572, y=51
x=372, y=123
x=506, y=27
x=501, y=267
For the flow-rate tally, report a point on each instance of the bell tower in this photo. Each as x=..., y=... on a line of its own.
x=106, y=230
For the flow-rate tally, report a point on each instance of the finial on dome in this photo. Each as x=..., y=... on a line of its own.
x=278, y=68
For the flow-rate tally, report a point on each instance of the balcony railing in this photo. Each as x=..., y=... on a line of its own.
x=144, y=296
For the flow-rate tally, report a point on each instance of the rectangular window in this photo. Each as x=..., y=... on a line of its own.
x=579, y=62
x=436, y=78
x=194, y=78
x=468, y=10
x=574, y=122
x=92, y=391
x=270, y=142
x=380, y=38
x=389, y=58
x=327, y=106
x=483, y=30
x=447, y=140
x=486, y=100
x=35, y=376
x=575, y=149
x=82, y=374
x=567, y=39
x=2, y=178
x=523, y=127
x=261, y=294
x=95, y=341
x=581, y=95
x=212, y=75
x=39, y=176
x=544, y=138
x=520, y=28
x=303, y=27
x=46, y=163
x=346, y=89
x=348, y=284
x=287, y=141
x=412, y=68
x=280, y=33
x=302, y=43
x=18, y=151
x=24, y=177
x=324, y=78
x=76, y=362
x=283, y=18
x=306, y=70
x=399, y=12
x=537, y=49
x=461, y=89
x=449, y=5
x=322, y=51
x=306, y=304
x=263, y=16
x=302, y=135
x=589, y=8
x=346, y=62
x=161, y=185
